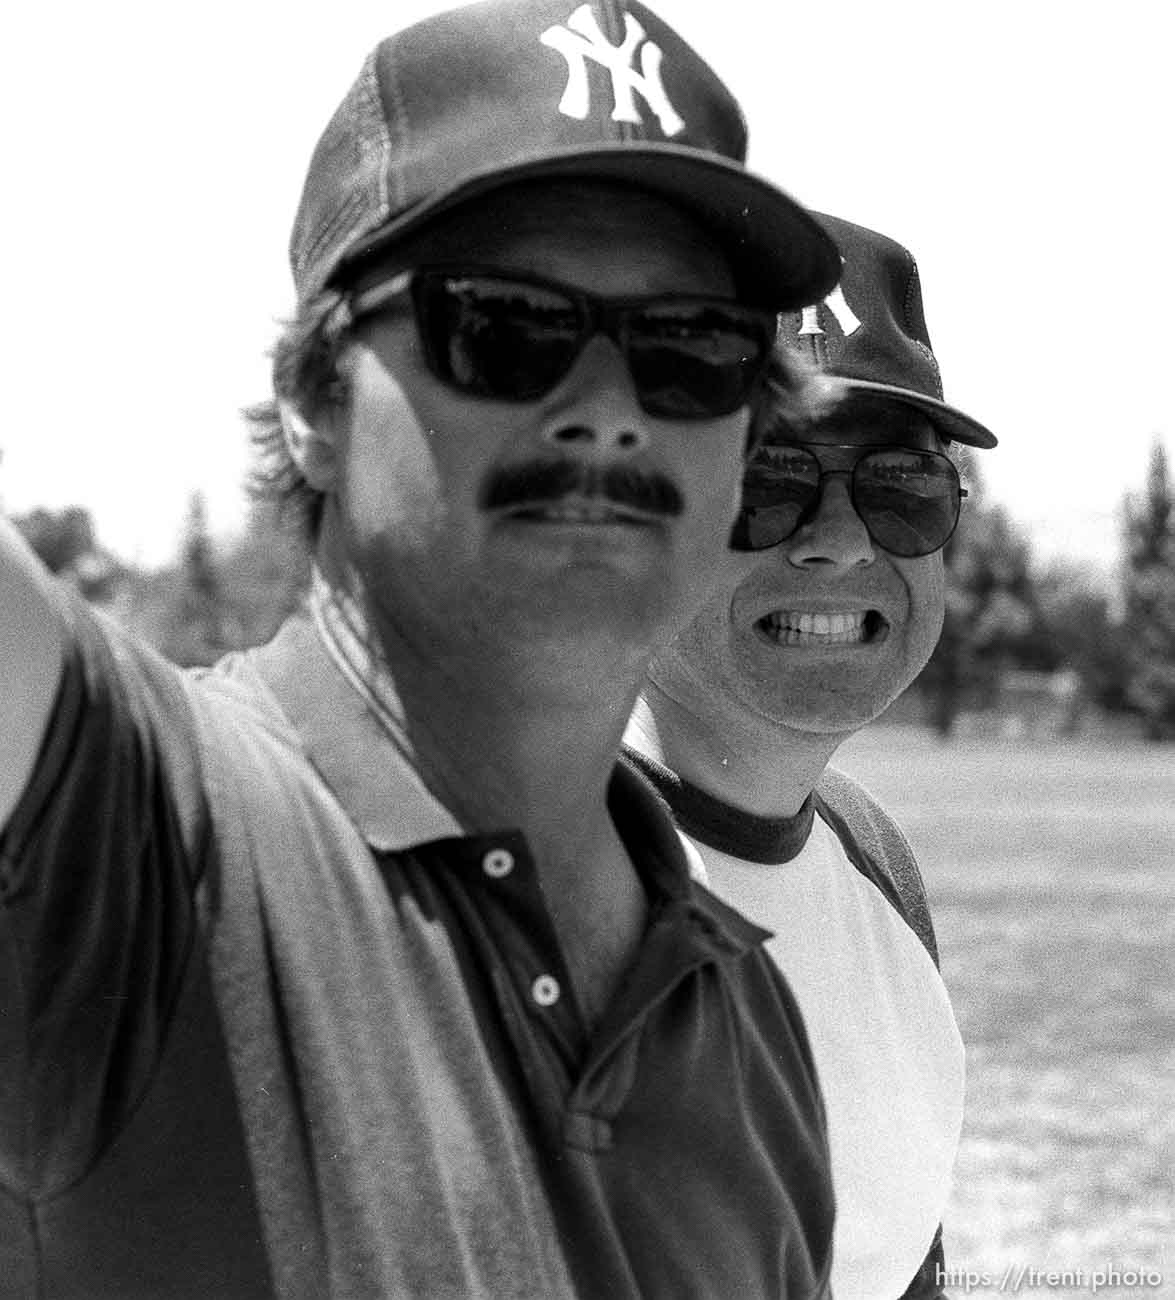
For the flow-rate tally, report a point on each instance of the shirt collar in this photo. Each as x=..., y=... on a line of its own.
x=333, y=687
x=730, y=830
x=343, y=704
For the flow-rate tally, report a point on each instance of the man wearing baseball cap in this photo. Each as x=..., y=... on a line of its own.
x=832, y=604
x=356, y=967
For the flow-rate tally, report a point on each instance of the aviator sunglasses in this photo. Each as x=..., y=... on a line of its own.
x=907, y=499
x=513, y=338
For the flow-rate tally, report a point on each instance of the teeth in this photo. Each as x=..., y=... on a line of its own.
x=797, y=627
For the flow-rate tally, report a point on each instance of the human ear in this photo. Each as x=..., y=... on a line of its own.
x=312, y=447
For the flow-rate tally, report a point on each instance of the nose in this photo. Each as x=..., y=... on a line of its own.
x=834, y=538
x=595, y=409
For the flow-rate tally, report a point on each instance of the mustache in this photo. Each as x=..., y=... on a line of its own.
x=541, y=482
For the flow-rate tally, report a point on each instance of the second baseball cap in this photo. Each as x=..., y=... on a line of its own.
x=869, y=335
x=503, y=91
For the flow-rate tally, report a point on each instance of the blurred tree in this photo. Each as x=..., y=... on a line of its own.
x=59, y=537
x=67, y=545
x=195, y=631
x=1149, y=599
x=1084, y=634
x=993, y=617
x=213, y=599
x=219, y=598
x=263, y=574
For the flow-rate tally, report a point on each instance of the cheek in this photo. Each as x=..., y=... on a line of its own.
x=391, y=470
x=691, y=663
x=701, y=656
x=714, y=464
x=926, y=582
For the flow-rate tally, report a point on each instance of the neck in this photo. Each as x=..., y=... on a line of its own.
x=497, y=758
x=747, y=761
x=523, y=737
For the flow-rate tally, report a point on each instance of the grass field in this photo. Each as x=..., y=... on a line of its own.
x=1050, y=867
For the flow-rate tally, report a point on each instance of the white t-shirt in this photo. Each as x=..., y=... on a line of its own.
x=887, y=1049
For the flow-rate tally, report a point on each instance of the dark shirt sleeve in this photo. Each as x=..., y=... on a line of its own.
x=97, y=870
x=929, y=1282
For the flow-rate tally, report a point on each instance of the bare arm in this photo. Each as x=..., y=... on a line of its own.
x=30, y=663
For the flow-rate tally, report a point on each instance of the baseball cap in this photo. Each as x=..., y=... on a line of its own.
x=869, y=335
x=503, y=91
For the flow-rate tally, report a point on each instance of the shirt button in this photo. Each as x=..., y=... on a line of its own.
x=498, y=863
x=545, y=990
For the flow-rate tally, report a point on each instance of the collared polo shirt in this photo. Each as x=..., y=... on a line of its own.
x=274, y=1026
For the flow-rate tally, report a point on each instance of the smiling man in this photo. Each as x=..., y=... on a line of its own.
x=829, y=610
x=355, y=967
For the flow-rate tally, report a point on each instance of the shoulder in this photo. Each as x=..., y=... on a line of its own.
x=119, y=744
x=877, y=847
x=253, y=753
x=847, y=799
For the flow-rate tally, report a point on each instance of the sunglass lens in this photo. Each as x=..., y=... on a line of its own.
x=695, y=361
x=497, y=338
x=909, y=500
x=780, y=485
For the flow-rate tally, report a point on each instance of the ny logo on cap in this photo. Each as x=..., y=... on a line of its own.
x=581, y=39
x=836, y=303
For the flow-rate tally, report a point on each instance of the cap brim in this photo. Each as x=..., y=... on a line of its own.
x=951, y=424
x=782, y=256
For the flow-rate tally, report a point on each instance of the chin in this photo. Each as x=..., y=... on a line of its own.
x=594, y=608
x=827, y=713
x=836, y=722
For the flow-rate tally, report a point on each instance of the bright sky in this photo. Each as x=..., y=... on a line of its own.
x=153, y=156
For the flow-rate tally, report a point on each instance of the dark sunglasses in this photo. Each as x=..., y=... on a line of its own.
x=907, y=499
x=512, y=338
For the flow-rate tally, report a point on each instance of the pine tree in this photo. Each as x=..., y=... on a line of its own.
x=192, y=627
x=1149, y=599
